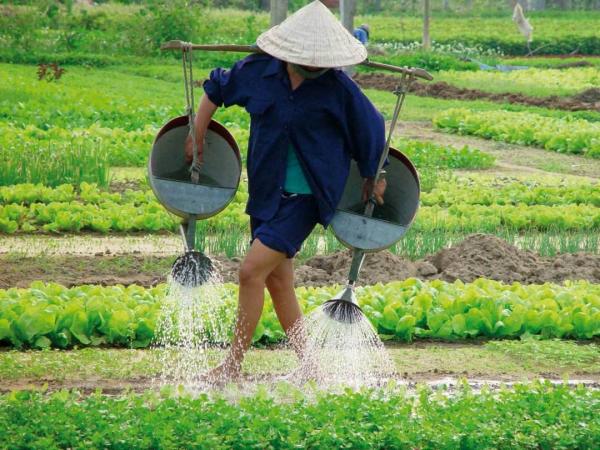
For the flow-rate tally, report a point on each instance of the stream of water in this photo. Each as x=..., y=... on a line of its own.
x=340, y=354
x=333, y=353
x=192, y=320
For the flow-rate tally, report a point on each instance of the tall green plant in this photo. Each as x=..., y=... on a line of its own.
x=54, y=164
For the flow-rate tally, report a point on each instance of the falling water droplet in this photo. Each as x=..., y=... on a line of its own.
x=192, y=320
x=340, y=354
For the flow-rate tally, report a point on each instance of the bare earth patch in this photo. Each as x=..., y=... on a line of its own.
x=479, y=255
x=476, y=256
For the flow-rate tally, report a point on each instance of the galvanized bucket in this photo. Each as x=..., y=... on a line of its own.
x=391, y=220
x=169, y=176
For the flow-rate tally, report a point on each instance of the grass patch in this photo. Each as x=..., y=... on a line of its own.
x=517, y=360
x=551, y=353
x=52, y=163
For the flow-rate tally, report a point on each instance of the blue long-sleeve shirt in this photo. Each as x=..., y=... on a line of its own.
x=361, y=35
x=328, y=120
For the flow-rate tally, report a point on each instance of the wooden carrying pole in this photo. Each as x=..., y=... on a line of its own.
x=178, y=45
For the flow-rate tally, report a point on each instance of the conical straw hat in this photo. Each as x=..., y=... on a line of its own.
x=312, y=36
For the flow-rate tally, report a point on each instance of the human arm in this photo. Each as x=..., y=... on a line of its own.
x=366, y=135
x=206, y=109
x=378, y=191
x=222, y=88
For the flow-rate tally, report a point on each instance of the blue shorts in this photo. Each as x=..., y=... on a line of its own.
x=288, y=229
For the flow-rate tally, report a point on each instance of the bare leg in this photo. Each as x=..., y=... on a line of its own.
x=280, y=284
x=258, y=264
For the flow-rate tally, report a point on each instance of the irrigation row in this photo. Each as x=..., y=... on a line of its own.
x=250, y=385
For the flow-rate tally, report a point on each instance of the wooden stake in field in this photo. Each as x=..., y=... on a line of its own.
x=279, y=10
x=426, y=18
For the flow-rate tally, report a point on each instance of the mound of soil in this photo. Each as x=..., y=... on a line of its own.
x=443, y=90
x=380, y=267
x=591, y=95
x=486, y=256
x=478, y=256
x=574, y=64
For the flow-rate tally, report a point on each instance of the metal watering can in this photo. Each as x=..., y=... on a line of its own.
x=371, y=227
x=216, y=182
x=196, y=191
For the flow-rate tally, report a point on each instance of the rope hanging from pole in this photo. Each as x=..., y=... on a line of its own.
x=188, y=81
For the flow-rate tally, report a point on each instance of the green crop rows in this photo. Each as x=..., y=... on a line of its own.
x=561, y=135
x=536, y=82
x=63, y=146
x=450, y=207
x=50, y=315
x=471, y=192
x=530, y=416
x=113, y=30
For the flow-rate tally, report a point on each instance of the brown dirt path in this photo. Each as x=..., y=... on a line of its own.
x=588, y=100
x=510, y=157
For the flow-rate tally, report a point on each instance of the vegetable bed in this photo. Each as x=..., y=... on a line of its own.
x=50, y=315
x=530, y=416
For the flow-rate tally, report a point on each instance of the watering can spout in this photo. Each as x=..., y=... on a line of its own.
x=193, y=193
x=344, y=307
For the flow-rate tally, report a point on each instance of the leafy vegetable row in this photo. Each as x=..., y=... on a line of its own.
x=561, y=135
x=465, y=191
x=537, y=82
x=539, y=415
x=446, y=193
x=27, y=193
x=430, y=154
x=50, y=315
x=23, y=148
x=108, y=216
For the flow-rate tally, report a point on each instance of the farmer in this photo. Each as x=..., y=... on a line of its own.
x=362, y=33
x=307, y=121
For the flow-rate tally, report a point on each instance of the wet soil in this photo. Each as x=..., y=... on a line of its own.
x=121, y=186
x=477, y=256
x=17, y=271
x=586, y=100
x=250, y=383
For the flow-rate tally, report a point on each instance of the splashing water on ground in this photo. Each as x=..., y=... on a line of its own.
x=340, y=354
x=192, y=320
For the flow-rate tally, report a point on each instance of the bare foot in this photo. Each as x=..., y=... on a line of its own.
x=223, y=373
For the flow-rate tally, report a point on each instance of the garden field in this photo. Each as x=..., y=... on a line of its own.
x=485, y=315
